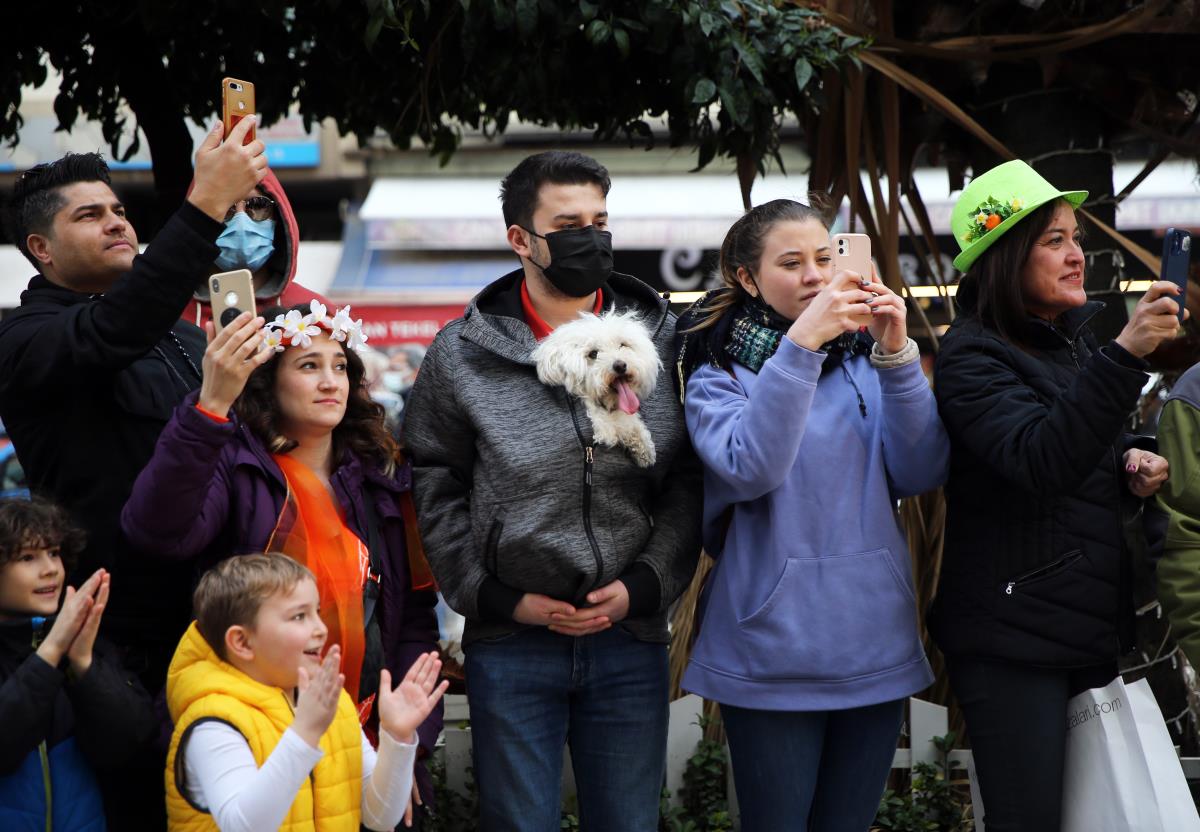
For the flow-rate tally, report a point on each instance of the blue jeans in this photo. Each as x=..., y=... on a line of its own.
x=535, y=691
x=811, y=771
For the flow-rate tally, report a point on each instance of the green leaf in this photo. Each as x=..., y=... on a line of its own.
x=734, y=101
x=708, y=23
x=804, y=73
x=597, y=32
x=588, y=10
x=704, y=92
x=750, y=58
x=374, y=27
x=622, y=39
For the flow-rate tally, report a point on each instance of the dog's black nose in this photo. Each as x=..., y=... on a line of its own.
x=619, y=367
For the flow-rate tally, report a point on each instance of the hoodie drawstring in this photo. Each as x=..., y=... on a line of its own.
x=862, y=405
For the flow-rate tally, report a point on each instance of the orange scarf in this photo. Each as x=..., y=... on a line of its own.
x=310, y=530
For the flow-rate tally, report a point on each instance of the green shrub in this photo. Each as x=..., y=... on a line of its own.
x=934, y=803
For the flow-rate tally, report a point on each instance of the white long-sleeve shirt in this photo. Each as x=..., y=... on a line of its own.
x=224, y=779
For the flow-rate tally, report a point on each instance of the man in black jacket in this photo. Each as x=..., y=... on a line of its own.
x=95, y=359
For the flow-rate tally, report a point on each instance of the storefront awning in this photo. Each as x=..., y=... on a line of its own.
x=439, y=239
x=646, y=212
x=438, y=213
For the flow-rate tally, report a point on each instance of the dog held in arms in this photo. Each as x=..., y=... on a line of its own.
x=609, y=362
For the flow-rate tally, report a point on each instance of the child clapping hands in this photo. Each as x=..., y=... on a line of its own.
x=67, y=707
x=265, y=735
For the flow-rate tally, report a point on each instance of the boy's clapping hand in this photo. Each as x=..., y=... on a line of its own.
x=77, y=621
x=317, y=701
x=402, y=709
x=79, y=654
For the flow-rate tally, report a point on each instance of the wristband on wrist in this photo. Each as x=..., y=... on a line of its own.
x=884, y=361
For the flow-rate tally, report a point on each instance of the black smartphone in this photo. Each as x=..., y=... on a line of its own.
x=1176, y=262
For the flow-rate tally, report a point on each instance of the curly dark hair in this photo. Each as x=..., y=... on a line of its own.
x=362, y=430
x=40, y=524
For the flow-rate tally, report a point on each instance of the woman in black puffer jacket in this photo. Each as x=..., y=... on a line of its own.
x=1034, y=603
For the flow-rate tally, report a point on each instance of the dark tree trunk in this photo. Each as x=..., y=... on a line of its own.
x=162, y=121
x=146, y=85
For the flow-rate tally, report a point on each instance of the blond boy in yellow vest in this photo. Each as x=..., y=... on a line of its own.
x=265, y=737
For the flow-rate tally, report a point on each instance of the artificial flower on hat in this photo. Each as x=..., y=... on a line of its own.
x=997, y=200
x=990, y=214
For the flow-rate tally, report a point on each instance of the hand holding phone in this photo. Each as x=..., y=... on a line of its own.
x=232, y=355
x=227, y=171
x=1176, y=263
x=842, y=306
x=237, y=102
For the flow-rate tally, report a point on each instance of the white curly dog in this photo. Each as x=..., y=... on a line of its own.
x=610, y=363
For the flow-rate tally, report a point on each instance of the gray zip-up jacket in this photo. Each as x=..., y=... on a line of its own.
x=507, y=499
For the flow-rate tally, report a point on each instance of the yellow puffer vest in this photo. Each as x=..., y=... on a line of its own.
x=202, y=686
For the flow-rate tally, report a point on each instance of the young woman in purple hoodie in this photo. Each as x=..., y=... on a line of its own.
x=282, y=449
x=810, y=431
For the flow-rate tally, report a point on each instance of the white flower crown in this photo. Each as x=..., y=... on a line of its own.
x=298, y=330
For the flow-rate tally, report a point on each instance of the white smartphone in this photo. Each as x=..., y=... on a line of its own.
x=232, y=294
x=852, y=253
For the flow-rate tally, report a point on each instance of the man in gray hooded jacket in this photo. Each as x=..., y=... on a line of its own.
x=563, y=555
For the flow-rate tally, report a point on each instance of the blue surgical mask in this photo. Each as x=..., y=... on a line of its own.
x=246, y=243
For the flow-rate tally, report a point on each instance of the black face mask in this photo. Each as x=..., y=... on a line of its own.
x=580, y=259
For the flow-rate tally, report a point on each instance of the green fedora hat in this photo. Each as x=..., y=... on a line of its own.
x=997, y=200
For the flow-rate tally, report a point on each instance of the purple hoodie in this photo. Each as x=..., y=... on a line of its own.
x=211, y=490
x=810, y=605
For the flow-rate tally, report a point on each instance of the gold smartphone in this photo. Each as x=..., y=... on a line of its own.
x=237, y=102
x=232, y=294
x=852, y=253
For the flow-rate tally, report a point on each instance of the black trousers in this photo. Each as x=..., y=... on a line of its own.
x=1017, y=721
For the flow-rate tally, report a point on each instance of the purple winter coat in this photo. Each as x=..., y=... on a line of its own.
x=212, y=490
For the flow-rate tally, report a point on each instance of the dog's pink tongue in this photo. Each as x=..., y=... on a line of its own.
x=627, y=400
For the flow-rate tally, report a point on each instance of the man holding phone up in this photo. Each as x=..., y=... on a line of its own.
x=95, y=358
